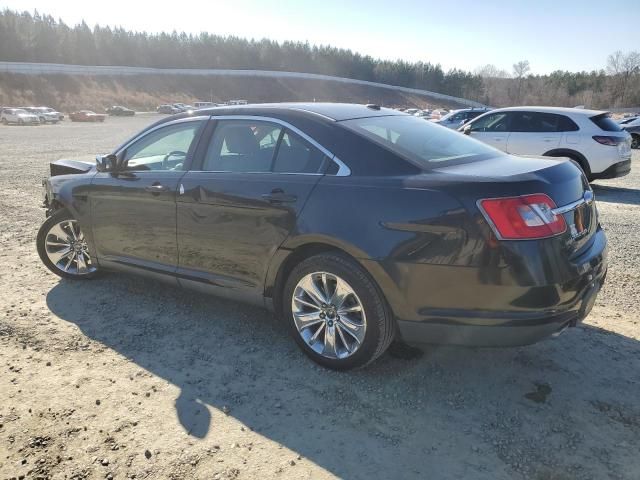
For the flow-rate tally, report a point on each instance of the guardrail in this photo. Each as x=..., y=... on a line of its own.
x=64, y=69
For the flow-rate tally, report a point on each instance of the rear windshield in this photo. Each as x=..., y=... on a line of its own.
x=606, y=123
x=424, y=143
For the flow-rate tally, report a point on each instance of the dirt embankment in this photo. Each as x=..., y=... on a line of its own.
x=146, y=92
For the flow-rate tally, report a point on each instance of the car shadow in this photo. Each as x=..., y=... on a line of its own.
x=605, y=193
x=449, y=413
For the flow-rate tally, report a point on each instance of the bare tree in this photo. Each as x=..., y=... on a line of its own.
x=520, y=69
x=622, y=66
x=491, y=71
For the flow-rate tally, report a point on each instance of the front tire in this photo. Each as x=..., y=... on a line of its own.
x=336, y=313
x=62, y=247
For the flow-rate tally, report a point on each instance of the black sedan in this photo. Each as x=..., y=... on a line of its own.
x=357, y=224
x=120, y=111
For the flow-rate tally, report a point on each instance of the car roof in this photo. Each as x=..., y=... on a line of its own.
x=330, y=111
x=561, y=110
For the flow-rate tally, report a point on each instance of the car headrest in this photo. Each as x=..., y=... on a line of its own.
x=240, y=139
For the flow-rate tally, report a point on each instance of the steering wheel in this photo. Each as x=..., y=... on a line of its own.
x=165, y=160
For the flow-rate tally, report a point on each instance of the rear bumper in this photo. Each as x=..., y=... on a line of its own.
x=470, y=306
x=498, y=329
x=619, y=169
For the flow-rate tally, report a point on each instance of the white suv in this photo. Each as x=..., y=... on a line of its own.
x=18, y=116
x=591, y=138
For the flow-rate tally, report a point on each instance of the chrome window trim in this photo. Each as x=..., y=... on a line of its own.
x=158, y=127
x=343, y=169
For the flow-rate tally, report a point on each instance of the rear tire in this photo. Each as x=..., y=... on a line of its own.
x=346, y=322
x=62, y=247
x=635, y=141
x=4, y=121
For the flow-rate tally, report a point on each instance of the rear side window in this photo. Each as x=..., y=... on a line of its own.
x=242, y=146
x=541, y=122
x=253, y=146
x=295, y=155
x=565, y=124
x=604, y=122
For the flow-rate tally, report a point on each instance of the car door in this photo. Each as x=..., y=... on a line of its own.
x=492, y=129
x=533, y=133
x=241, y=203
x=134, y=210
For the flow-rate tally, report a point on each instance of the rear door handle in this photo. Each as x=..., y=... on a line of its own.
x=277, y=195
x=156, y=188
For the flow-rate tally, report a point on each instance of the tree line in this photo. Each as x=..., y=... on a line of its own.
x=27, y=37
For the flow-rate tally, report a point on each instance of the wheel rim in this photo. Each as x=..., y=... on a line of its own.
x=67, y=249
x=328, y=315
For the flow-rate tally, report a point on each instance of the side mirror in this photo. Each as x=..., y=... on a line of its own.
x=107, y=163
x=467, y=130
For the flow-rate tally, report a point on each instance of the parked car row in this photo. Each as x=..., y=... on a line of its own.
x=173, y=108
x=591, y=138
x=29, y=115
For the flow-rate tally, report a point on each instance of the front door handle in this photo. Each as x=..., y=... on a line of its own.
x=277, y=195
x=156, y=188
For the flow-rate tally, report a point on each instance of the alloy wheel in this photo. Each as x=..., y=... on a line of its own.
x=328, y=315
x=66, y=248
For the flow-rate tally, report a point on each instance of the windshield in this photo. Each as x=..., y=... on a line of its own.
x=424, y=143
x=448, y=115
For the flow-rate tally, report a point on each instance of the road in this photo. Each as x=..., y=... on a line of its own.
x=120, y=377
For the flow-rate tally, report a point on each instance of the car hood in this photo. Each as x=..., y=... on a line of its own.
x=70, y=167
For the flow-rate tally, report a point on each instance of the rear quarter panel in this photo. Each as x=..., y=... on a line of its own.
x=386, y=224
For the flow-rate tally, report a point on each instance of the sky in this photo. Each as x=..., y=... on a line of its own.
x=552, y=34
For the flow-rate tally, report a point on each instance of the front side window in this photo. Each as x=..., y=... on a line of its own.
x=494, y=122
x=163, y=149
x=423, y=143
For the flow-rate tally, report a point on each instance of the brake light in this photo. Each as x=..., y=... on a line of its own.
x=523, y=218
x=608, y=140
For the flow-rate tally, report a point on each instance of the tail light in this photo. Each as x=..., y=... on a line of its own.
x=608, y=140
x=523, y=218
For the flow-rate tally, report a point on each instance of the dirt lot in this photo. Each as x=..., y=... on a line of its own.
x=124, y=378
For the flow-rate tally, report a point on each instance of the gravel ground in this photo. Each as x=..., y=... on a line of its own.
x=125, y=378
